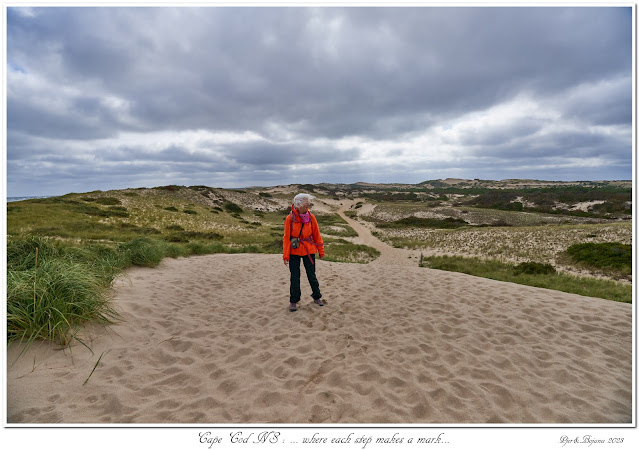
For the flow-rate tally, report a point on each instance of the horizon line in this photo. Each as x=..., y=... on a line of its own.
x=461, y=180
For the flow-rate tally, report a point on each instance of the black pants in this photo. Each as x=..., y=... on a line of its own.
x=294, y=266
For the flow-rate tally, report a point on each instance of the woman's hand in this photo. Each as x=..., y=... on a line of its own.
x=286, y=262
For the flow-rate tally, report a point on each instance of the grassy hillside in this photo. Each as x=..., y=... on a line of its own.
x=457, y=219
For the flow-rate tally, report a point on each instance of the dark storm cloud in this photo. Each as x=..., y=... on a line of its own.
x=83, y=119
x=230, y=68
x=268, y=154
x=296, y=76
x=540, y=148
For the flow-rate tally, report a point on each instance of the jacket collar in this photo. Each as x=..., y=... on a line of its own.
x=296, y=215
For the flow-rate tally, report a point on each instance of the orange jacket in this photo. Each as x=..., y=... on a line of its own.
x=311, y=239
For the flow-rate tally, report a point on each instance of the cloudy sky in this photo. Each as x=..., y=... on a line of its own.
x=108, y=98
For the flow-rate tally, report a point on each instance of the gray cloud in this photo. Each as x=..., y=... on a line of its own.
x=114, y=81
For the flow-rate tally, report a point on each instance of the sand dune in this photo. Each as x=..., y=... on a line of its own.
x=209, y=339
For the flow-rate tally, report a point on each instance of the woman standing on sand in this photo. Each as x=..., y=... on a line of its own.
x=302, y=240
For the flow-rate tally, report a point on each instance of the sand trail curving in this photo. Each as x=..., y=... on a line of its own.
x=209, y=339
x=388, y=255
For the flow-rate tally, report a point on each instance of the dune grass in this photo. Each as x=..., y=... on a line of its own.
x=52, y=291
x=540, y=276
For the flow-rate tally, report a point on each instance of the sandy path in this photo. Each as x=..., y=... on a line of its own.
x=388, y=255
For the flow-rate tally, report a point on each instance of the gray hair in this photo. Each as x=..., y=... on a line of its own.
x=302, y=199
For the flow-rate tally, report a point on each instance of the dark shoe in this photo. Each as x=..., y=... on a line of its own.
x=292, y=307
x=319, y=302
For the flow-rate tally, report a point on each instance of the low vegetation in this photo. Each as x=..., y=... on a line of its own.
x=334, y=225
x=340, y=250
x=419, y=222
x=606, y=256
x=52, y=289
x=532, y=274
x=516, y=244
x=534, y=268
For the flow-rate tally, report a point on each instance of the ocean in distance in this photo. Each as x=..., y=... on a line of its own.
x=17, y=199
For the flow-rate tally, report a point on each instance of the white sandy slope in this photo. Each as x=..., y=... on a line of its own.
x=209, y=339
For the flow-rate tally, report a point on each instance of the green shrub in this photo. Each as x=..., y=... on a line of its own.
x=500, y=223
x=170, y=188
x=189, y=211
x=139, y=230
x=147, y=230
x=534, y=268
x=448, y=222
x=108, y=201
x=176, y=238
x=275, y=246
x=201, y=235
x=232, y=207
x=95, y=211
x=606, y=255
